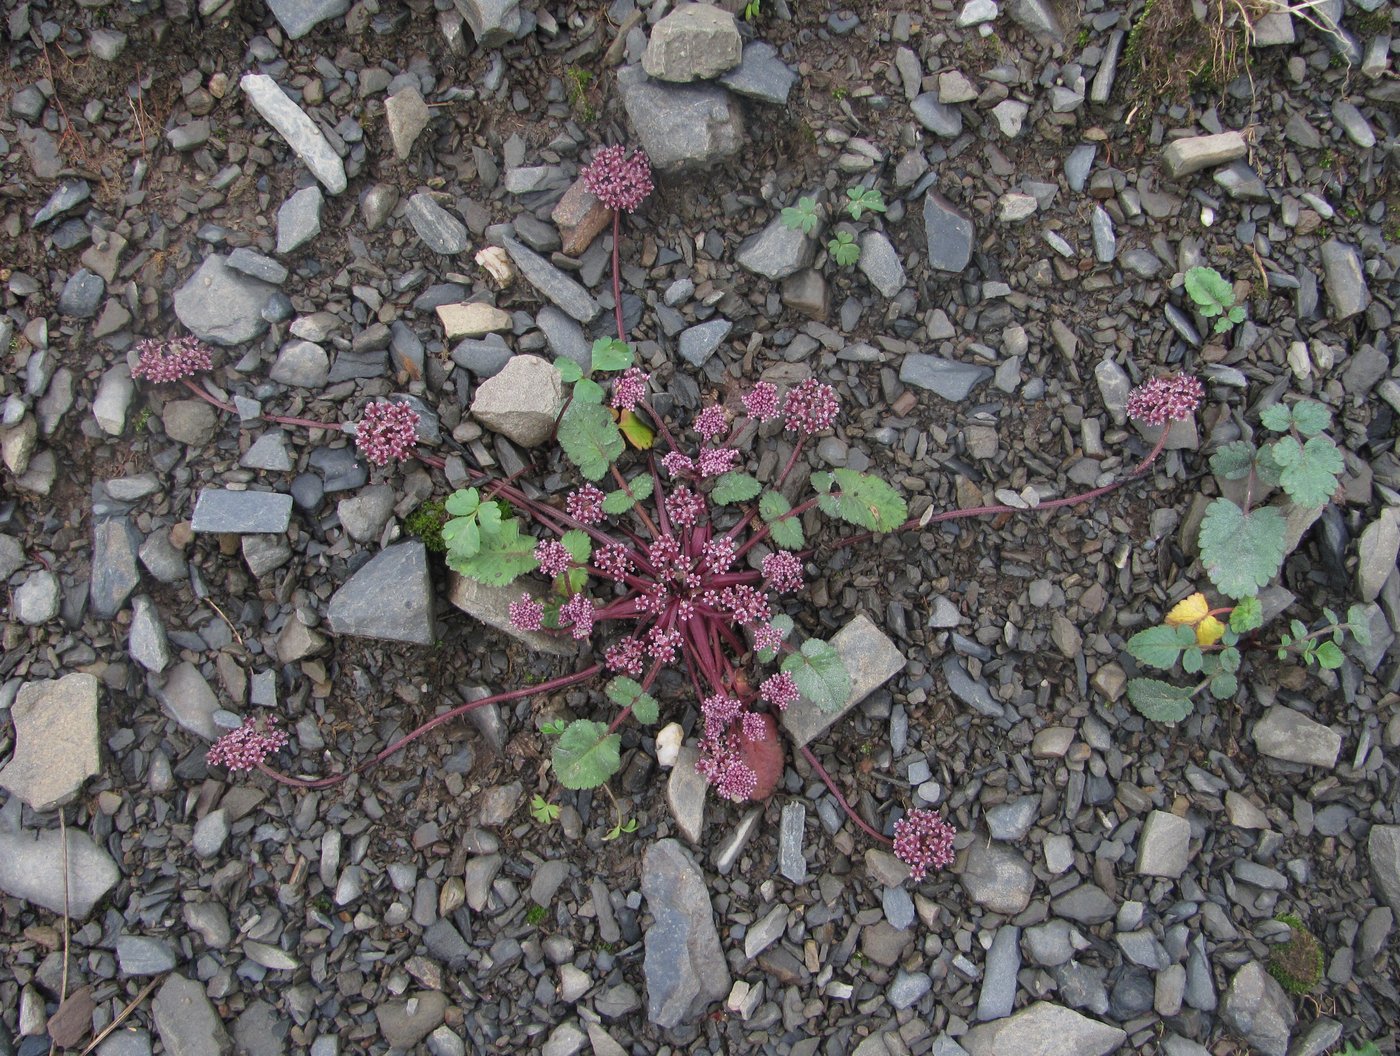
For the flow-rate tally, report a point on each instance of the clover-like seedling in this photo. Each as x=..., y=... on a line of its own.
x=863, y=198
x=543, y=811
x=1214, y=297
x=843, y=248
x=802, y=216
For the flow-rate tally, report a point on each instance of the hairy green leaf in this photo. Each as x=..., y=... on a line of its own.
x=586, y=390
x=820, y=675
x=579, y=545
x=627, y=693
x=1329, y=655
x=1224, y=686
x=1159, y=701
x=1359, y=624
x=1232, y=462
x=619, y=501
x=863, y=500
x=1193, y=660
x=590, y=438
x=586, y=755
x=1247, y=615
x=786, y=533
x=735, y=487
x=802, y=216
x=1311, y=417
x=505, y=555
x=781, y=623
x=1241, y=552
x=462, y=536
x=611, y=354
x=568, y=370
x=1160, y=647
x=843, y=249
x=863, y=198
x=462, y=502
x=1309, y=470
x=1230, y=660
x=1210, y=290
x=1277, y=417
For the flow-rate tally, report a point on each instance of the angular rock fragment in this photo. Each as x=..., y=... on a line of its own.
x=389, y=598
x=293, y=125
x=684, y=964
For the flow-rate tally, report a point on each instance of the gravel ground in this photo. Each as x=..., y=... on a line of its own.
x=305, y=183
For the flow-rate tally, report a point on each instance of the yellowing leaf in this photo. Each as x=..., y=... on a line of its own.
x=1209, y=630
x=638, y=433
x=1189, y=612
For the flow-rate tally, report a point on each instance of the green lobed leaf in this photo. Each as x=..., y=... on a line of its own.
x=1359, y=624
x=735, y=487
x=1247, y=615
x=628, y=693
x=579, y=545
x=568, y=370
x=1277, y=417
x=1224, y=686
x=1233, y=461
x=586, y=755
x=820, y=675
x=1193, y=660
x=1311, y=417
x=619, y=501
x=553, y=728
x=1329, y=655
x=783, y=624
x=843, y=249
x=863, y=198
x=462, y=502
x=863, y=500
x=786, y=533
x=611, y=354
x=1210, y=290
x=1229, y=660
x=586, y=390
x=505, y=555
x=801, y=217
x=1241, y=552
x=1367, y=1048
x=1309, y=470
x=1159, y=701
x=462, y=536
x=1160, y=647
x=589, y=438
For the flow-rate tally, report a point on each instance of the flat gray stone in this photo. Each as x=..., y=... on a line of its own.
x=31, y=869
x=300, y=17
x=792, y=862
x=552, y=283
x=1182, y=157
x=188, y=699
x=879, y=262
x=405, y=1023
x=299, y=219
x=82, y=294
x=695, y=42
x=485, y=358
x=302, y=364
x=1256, y=1008
x=522, y=401
x=57, y=740
x=1045, y=1029
x=36, y=601
x=1344, y=280
x=257, y=266
x=1086, y=904
x=1383, y=851
x=998, y=995
x=566, y=338
x=681, y=126
x=685, y=795
x=949, y=233
x=698, y=343
x=492, y=22
x=491, y=605
x=440, y=230
x=187, y=1022
x=946, y=378
x=684, y=964
x=1164, y=845
x=1293, y=737
x=871, y=659
x=777, y=251
x=938, y=117
x=144, y=955
x=761, y=74
x=223, y=306
x=268, y=452
x=407, y=115
x=241, y=512
x=389, y=598
x=996, y=876
x=293, y=125
x=147, y=643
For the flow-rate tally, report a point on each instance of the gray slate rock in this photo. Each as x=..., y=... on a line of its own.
x=293, y=125
x=695, y=42
x=492, y=22
x=1164, y=845
x=223, y=306
x=57, y=741
x=996, y=876
x=566, y=338
x=1344, y=280
x=67, y=196
x=389, y=598
x=698, y=343
x=303, y=364
x=761, y=74
x=946, y=378
x=147, y=643
x=1182, y=157
x=777, y=251
x=681, y=126
x=1293, y=737
x=552, y=283
x=407, y=115
x=522, y=401
x=82, y=294
x=684, y=965
x=187, y=1022
x=939, y=118
x=257, y=266
x=998, y=995
x=31, y=869
x=1383, y=851
x=486, y=357
x=440, y=230
x=37, y=599
x=144, y=955
x=114, y=572
x=405, y=1023
x=949, y=233
x=871, y=659
x=1045, y=1029
x=879, y=262
x=300, y=17
x=299, y=219
x=491, y=605
x=241, y=512
x=268, y=452
x=1256, y=1008
x=188, y=699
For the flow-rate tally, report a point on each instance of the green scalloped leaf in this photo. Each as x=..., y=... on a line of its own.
x=611, y=354
x=1247, y=615
x=505, y=555
x=1311, y=417
x=784, y=533
x=820, y=675
x=1224, y=686
x=628, y=693
x=1233, y=461
x=735, y=487
x=1359, y=624
x=1242, y=553
x=1159, y=701
x=1210, y=290
x=1310, y=469
x=463, y=502
x=1161, y=647
x=590, y=438
x=569, y=371
x=586, y=755
x=863, y=500
x=586, y=390
x=1277, y=417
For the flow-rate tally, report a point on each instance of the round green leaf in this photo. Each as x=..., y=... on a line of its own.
x=820, y=675
x=586, y=754
x=1159, y=701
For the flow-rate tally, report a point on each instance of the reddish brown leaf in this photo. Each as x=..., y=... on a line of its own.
x=766, y=759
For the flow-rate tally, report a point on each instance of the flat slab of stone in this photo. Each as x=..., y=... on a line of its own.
x=1182, y=157
x=440, y=230
x=1383, y=851
x=491, y=605
x=685, y=794
x=695, y=42
x=951, y=380
x=31, y=869
x=1163, y=845
x=188, y=698
x=995, y=876
x=186, y=1020
x=300, y=17
x=389, y=598
x=777, y=251
x=223, y=306
x=1293, y=737
x=681, y=126
x=684, y=965
x=552, y=283
x=293, y=125
x=1344, y=279
x=241, y=512
x=473, y=319
x=1044, y=1029
x=57, y=740
x=948, y=232
x=871, y=660
x=522, y=401
x=761, y=74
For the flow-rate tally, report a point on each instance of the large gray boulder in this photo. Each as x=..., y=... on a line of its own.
x=522, y=401
x=389, y=598
x=684, y=964
x=1257, y=1009
x=695, y=42
x=681, y=126
x=223, y=306
x=1045, y=1029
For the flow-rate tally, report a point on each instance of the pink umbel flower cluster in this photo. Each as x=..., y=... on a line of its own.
x=761, y=401
x=780, y=690
x=621, y=181
x=613, y=561
x=677, y=464
x=585, y=505
x=553, y=557
x=717, y=460
x=527, y=614
x=578, y=613
x=712, y=421
x=629, y=389
x=767, y=637
x=810, y=407
x=720, y=760
x=1169, y=399
x=923, y=841
x=783, y=570
x=162, y=361
x=625, y=655
x=684, y=507
x=247, y=746
x=387, y=431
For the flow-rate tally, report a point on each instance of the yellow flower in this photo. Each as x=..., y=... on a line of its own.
x=1190, y=612
x=1209, y=630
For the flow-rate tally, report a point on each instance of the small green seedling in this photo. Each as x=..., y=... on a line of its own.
x=543, y=811
x=628, y=826
x=863, y=198
x=752, y=10
x=843, y=249
x=802, y=216
x=1214, y=297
